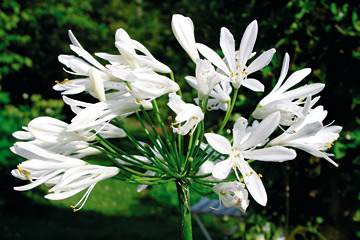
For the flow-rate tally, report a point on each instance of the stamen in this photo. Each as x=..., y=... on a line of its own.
x=239, y=66
x=234, y=166
x=24, y=172
x=251, y=172
x=83, y=199
x=260, y=176
x=241, y=180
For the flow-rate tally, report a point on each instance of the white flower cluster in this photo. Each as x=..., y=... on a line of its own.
x=131, y=82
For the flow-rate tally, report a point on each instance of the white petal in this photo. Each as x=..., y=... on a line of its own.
x=271, y=154
x=294, y=78
x=218, y=142
x=253, y=84
x=97, y=83
x=303, y=91
x=227, y=44
x=239, y=131
x=284, y=71
x=261, y=61
x=213, y=57
x=222, y=169
x=253, y=183
x=248, y=42
x=263, y=131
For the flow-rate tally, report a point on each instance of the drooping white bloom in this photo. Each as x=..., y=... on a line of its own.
x=280, y=99
x=185, y=112
x=127, y=48
x=76, y=179
x=100, y=113
x=183, y=29
x=42, y=165
x=53, y=132
x=243, y=147
x=205, y=77
x=232, y=194
x=309, y=134
x=234, y=66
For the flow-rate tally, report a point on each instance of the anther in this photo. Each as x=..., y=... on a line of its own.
x=241, y=179
x=239, y=200
x=234, y=166
x=260, y=175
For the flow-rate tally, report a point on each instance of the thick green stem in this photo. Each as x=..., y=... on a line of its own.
x=185, y=212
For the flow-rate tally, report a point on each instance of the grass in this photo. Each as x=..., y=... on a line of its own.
x=114, y=210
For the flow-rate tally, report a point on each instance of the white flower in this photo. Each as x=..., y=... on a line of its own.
x=244, y=148
x=42, y=166
x=234, y=66
x=183, y=29
x=309, y=134
x=186, y=112
x=52, y=134
x=280, y=91
x=232, y=194
x=76, y=179
x=81, y=67
x=280, y=99
x=127, y=48
x=100, y=113
x=219, y=97
x=206, y=78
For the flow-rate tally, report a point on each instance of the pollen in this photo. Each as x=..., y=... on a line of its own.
x=24, y=172
x=63, y=82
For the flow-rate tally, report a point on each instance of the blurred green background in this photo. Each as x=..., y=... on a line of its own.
x=308, y=197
